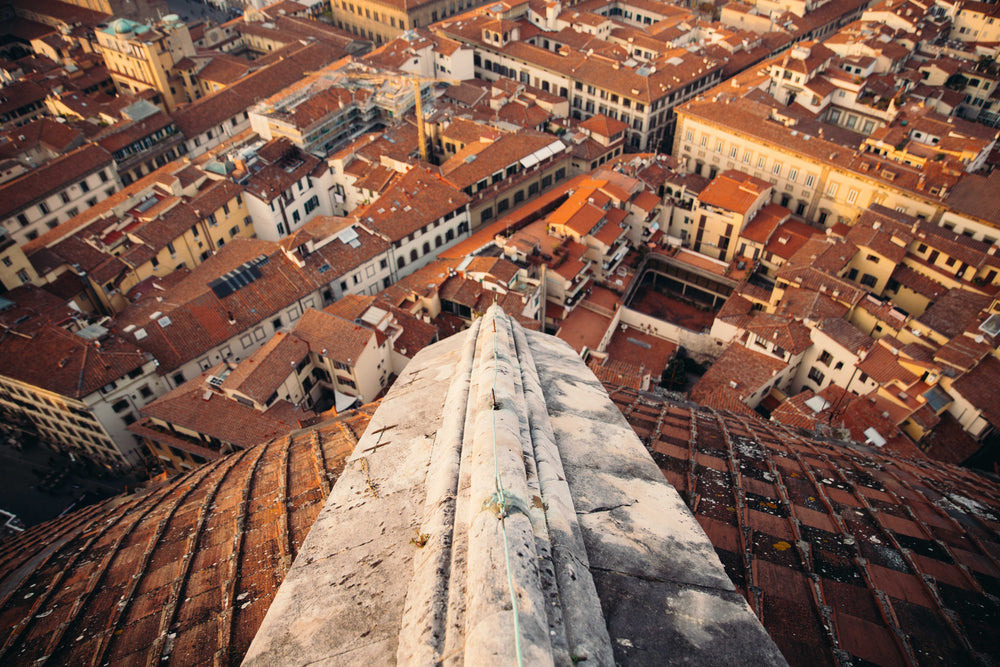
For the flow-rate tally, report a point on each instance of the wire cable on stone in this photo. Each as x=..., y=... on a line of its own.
x=502, y=500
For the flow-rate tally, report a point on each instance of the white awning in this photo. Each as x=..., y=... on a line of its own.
x=343, y=401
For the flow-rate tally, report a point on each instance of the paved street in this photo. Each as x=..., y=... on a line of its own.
x=191, y=10
x=38, y=484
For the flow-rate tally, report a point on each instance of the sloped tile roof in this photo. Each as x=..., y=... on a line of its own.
x=195, y=407
x=786, y=332
x=954, y=312
x=259, y=375
x=50, y=178
x=980, y=387
x=177, y=575
x=199, y=319
x=65, y=363
x=332, y=336
x=413, y=201
x=733, y=190
x=844, y=553
x=748, y=369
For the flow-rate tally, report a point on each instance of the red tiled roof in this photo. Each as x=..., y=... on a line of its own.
x=733, y=190
x=584, y=328
x=194, y=406
x=980, y=387
x=603, y=126
x=620, y=374
x=199, y=319
x=64, y=363
x=748, y=369
x=201, y=556
x=843, y=552
x=953, y=313
x=763, y=225
x=414, y=200
x=332, y=336
x=260, y=374
x=50, y=178
x=785, y=332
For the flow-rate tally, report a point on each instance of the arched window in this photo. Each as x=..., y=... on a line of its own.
x=401, y=263
x=413, y=255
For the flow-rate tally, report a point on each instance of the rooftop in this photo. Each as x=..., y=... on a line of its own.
x=607, y=564
x=844, y=553
x=201, y=555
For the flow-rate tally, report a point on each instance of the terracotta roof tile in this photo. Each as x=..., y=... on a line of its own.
x=259, y=375
x=788, y=333
x=195, y=406
x=748, y=369
x=953, y=313
x=416, y=199
x=50, y=178
x=202, y=555
x=65, y=363
x=979, y=387
x=840, y=550
x=197, y=318
x=733, y=190
x=333, y=337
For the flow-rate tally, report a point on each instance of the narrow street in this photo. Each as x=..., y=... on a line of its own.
x=39, y=484
x=191, y=11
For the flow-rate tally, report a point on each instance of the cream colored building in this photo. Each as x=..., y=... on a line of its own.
x=722, y=210
x=80, y=389
x=384, y=20
x=150, y=229
x=819, y=176
x=140, y=57
x=976, y=22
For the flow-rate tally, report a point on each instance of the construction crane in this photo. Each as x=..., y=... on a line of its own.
x=416, y=80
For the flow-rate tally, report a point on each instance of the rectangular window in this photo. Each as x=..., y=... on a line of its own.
x=816, y=376
x=733, y=152
x=718, y=146
x=831, y=190
x=761, y=161
x=43, y=208
x=793, y=173
x=852, y=196
x=704, y=141
x=810, y=179
x=776, y=169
